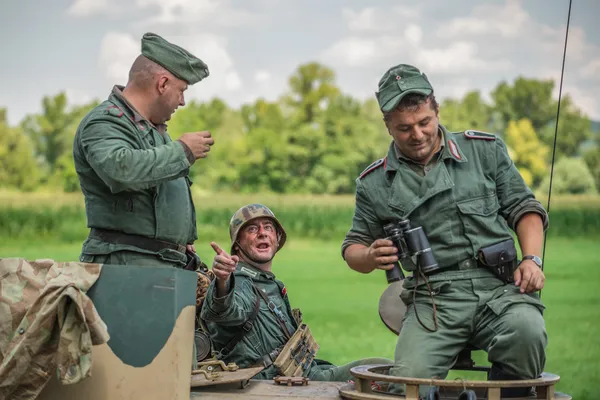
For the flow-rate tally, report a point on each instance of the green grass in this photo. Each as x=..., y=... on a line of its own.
x=341, y=305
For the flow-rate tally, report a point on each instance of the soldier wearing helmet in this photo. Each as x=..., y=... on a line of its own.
x=247, y=310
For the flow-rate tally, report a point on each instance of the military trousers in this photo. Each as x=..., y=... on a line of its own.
x=341, y=373
x=483, y=312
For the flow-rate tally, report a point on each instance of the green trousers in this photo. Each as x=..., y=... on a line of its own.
x=341, y=373
x=483, y=312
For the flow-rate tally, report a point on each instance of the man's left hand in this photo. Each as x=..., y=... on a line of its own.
x=190, y=248
x=529, y=276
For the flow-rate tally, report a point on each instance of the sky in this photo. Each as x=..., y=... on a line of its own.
x=84, y=47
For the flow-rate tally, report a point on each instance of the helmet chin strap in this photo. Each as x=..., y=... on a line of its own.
x=249, y=257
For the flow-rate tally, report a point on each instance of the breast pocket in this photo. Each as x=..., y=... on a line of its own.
x=481, y=221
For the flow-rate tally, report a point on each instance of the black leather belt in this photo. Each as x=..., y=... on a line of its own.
x=470, y=263
x=142, y=242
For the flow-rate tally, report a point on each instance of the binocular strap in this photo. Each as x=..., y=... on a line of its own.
x=435, y=322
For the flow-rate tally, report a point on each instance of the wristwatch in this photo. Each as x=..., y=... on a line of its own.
x=535, y=259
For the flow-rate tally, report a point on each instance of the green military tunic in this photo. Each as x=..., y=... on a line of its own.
x=224, y=316
x=135, y=180
x=468, y=197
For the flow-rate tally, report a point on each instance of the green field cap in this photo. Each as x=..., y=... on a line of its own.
x=174, y=59
x=399, y=81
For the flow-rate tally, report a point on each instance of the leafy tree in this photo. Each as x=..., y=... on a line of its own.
x=312, y=87
x=469, y=113
x=526, y=99
x=574, y=128
x=527, y=151
x=592, y=159
x=571, y=176
x=18, y=167
x=263, y=114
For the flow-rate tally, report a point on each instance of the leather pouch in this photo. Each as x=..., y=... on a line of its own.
x=500, y=258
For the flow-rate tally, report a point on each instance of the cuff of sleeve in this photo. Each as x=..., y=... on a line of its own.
x=528, y=207
x=225, y=301
x=188, y=152
x=349, y=242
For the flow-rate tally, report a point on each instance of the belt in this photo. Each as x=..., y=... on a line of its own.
x=142, y=242
x=469, y=263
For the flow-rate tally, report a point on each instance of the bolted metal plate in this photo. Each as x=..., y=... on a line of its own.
x=391, y=308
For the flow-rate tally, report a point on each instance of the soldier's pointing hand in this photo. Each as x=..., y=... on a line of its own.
x=223, y=264
x=198, y=142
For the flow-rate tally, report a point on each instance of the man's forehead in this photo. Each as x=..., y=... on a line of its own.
x=411, y=116
x=259, y=220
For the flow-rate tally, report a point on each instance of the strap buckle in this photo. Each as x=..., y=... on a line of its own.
x=247, y=326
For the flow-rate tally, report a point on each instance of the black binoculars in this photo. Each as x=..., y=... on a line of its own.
x=411, y=242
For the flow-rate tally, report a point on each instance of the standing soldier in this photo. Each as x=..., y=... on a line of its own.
x=133, y=176
x=466, y=193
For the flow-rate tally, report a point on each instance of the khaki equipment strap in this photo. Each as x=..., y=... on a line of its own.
x=297, y=355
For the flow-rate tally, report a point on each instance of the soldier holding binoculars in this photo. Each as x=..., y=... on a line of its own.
x=443, y=205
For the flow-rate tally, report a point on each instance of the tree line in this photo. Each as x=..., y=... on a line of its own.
x=316, y=139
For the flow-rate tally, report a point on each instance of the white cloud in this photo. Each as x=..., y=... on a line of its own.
x=414, y=34
x=591, y=69
x=180, y=12
x=117, y=53
x=373, y=19
x=508, y=21
x=353, y=51
x=84, y=8
x=77, y=97
x=583, y=99
x=459, y=57
x=262, y=76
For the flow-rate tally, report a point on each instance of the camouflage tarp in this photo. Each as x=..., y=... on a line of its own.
x=47, y=324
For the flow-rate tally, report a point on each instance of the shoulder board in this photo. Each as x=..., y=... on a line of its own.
x=247, y=272
x=373, y=167
x=471, y=134
x=114, y=111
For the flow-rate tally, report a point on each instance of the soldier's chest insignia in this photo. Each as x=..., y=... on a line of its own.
x=248, y=272
x=379, y=163
x=472, y=134
x=454, y=150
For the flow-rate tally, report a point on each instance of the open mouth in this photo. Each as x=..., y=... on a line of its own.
x=263, y=246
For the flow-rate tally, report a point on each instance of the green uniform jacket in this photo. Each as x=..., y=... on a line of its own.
x=225, y=315
x=468, y=200
x=133, y=176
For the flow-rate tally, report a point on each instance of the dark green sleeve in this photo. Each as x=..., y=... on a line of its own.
x=360, y=233
x=111, y=148
x=232, y=309
x=515, y=197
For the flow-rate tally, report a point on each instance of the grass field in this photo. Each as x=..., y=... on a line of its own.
x=341, y=306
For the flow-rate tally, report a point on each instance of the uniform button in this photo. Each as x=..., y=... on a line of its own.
x=467, y=263
x=152, y=142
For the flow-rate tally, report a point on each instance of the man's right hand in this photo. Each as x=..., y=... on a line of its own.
x=382, y=254
x=223, y=264
x=198, y=142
